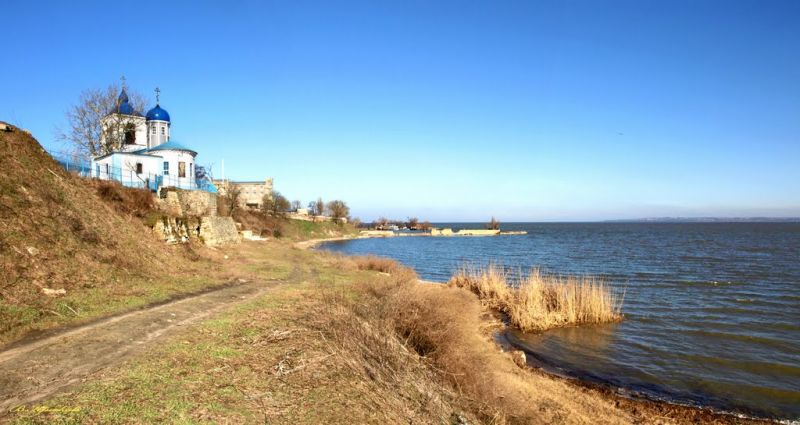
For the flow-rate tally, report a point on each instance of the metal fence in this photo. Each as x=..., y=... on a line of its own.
x=129, y=178
x=72, y=163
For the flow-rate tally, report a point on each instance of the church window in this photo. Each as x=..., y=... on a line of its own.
x=130, y=135
x=153, y=130
x=139, y=168
x=166, y=168
x=162, y=131
x=181, y=169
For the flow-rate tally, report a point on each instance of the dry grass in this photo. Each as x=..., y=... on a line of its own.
x=537, y=301
x=364, y=337
x=136, y=202
x=397, y=271
x=380, y=264
x=373, y=262
x=431, y=344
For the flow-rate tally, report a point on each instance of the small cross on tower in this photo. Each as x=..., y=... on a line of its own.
x=122, y=78
x=158, y=93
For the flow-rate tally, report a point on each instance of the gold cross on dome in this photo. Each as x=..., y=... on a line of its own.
x=158, y=93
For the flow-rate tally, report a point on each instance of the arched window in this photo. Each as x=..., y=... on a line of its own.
x=130, y=134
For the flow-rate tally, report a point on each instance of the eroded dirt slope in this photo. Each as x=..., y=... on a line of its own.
x=57, y=233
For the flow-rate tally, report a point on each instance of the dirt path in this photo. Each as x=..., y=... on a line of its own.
x=36, y=370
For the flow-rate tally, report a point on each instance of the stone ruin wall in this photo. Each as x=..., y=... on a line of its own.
x=188, y=203
x=215, y=231
x=193, y=214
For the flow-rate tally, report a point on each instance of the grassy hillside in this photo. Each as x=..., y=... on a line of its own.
x=60, y=232
x=295, y=230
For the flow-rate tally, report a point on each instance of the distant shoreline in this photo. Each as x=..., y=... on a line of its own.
x=641, y=220
x=707, y=220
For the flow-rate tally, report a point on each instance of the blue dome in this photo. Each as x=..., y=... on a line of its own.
x=157, y=114
x=123, y=106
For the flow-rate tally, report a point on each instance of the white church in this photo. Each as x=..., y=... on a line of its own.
x=146, y=157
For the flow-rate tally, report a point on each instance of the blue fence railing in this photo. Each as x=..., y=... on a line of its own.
x=74, y=165
x=130, y=178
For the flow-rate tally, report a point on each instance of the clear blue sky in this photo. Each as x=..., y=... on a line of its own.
x=558, y=110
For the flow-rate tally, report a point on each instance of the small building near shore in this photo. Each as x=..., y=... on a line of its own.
x=251, y=193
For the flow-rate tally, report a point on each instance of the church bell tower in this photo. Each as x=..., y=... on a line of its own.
x=158, y=124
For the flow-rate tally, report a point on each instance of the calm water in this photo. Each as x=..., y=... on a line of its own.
x=712, y=310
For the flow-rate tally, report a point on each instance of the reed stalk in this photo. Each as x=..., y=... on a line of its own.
x=538, y=301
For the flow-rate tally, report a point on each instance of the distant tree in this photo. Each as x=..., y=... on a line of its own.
x=320, y=210
x=493, y=224
x=281, y=203
x=425, y=225
x=380, y=223
x=229, y=200
x=296, y=205
x=356, y=222
x=274, y=204
x=338, y=210
x=412, y=223
x=89, y=134
x=312, y=208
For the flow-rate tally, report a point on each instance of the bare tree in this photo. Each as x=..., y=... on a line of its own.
x=275, y=204
x=233, y=195
x=320, y=210
x=338, y=210
x=412, y=223
x=493, y=224
x=296, y=205
x=228, y=200
x=380, y=223
x=93, y=129
x=425, y=225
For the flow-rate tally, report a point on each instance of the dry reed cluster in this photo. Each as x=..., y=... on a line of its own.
x=536, y=301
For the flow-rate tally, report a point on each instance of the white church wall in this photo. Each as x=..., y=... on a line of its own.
x=159, y=133
x=124, y=167
x=102, y=168
x=141, y=134
x=174, y=178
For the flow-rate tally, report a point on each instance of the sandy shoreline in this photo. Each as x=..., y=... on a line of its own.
x=379, y=235
x=648, y=409
x=312, y=243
